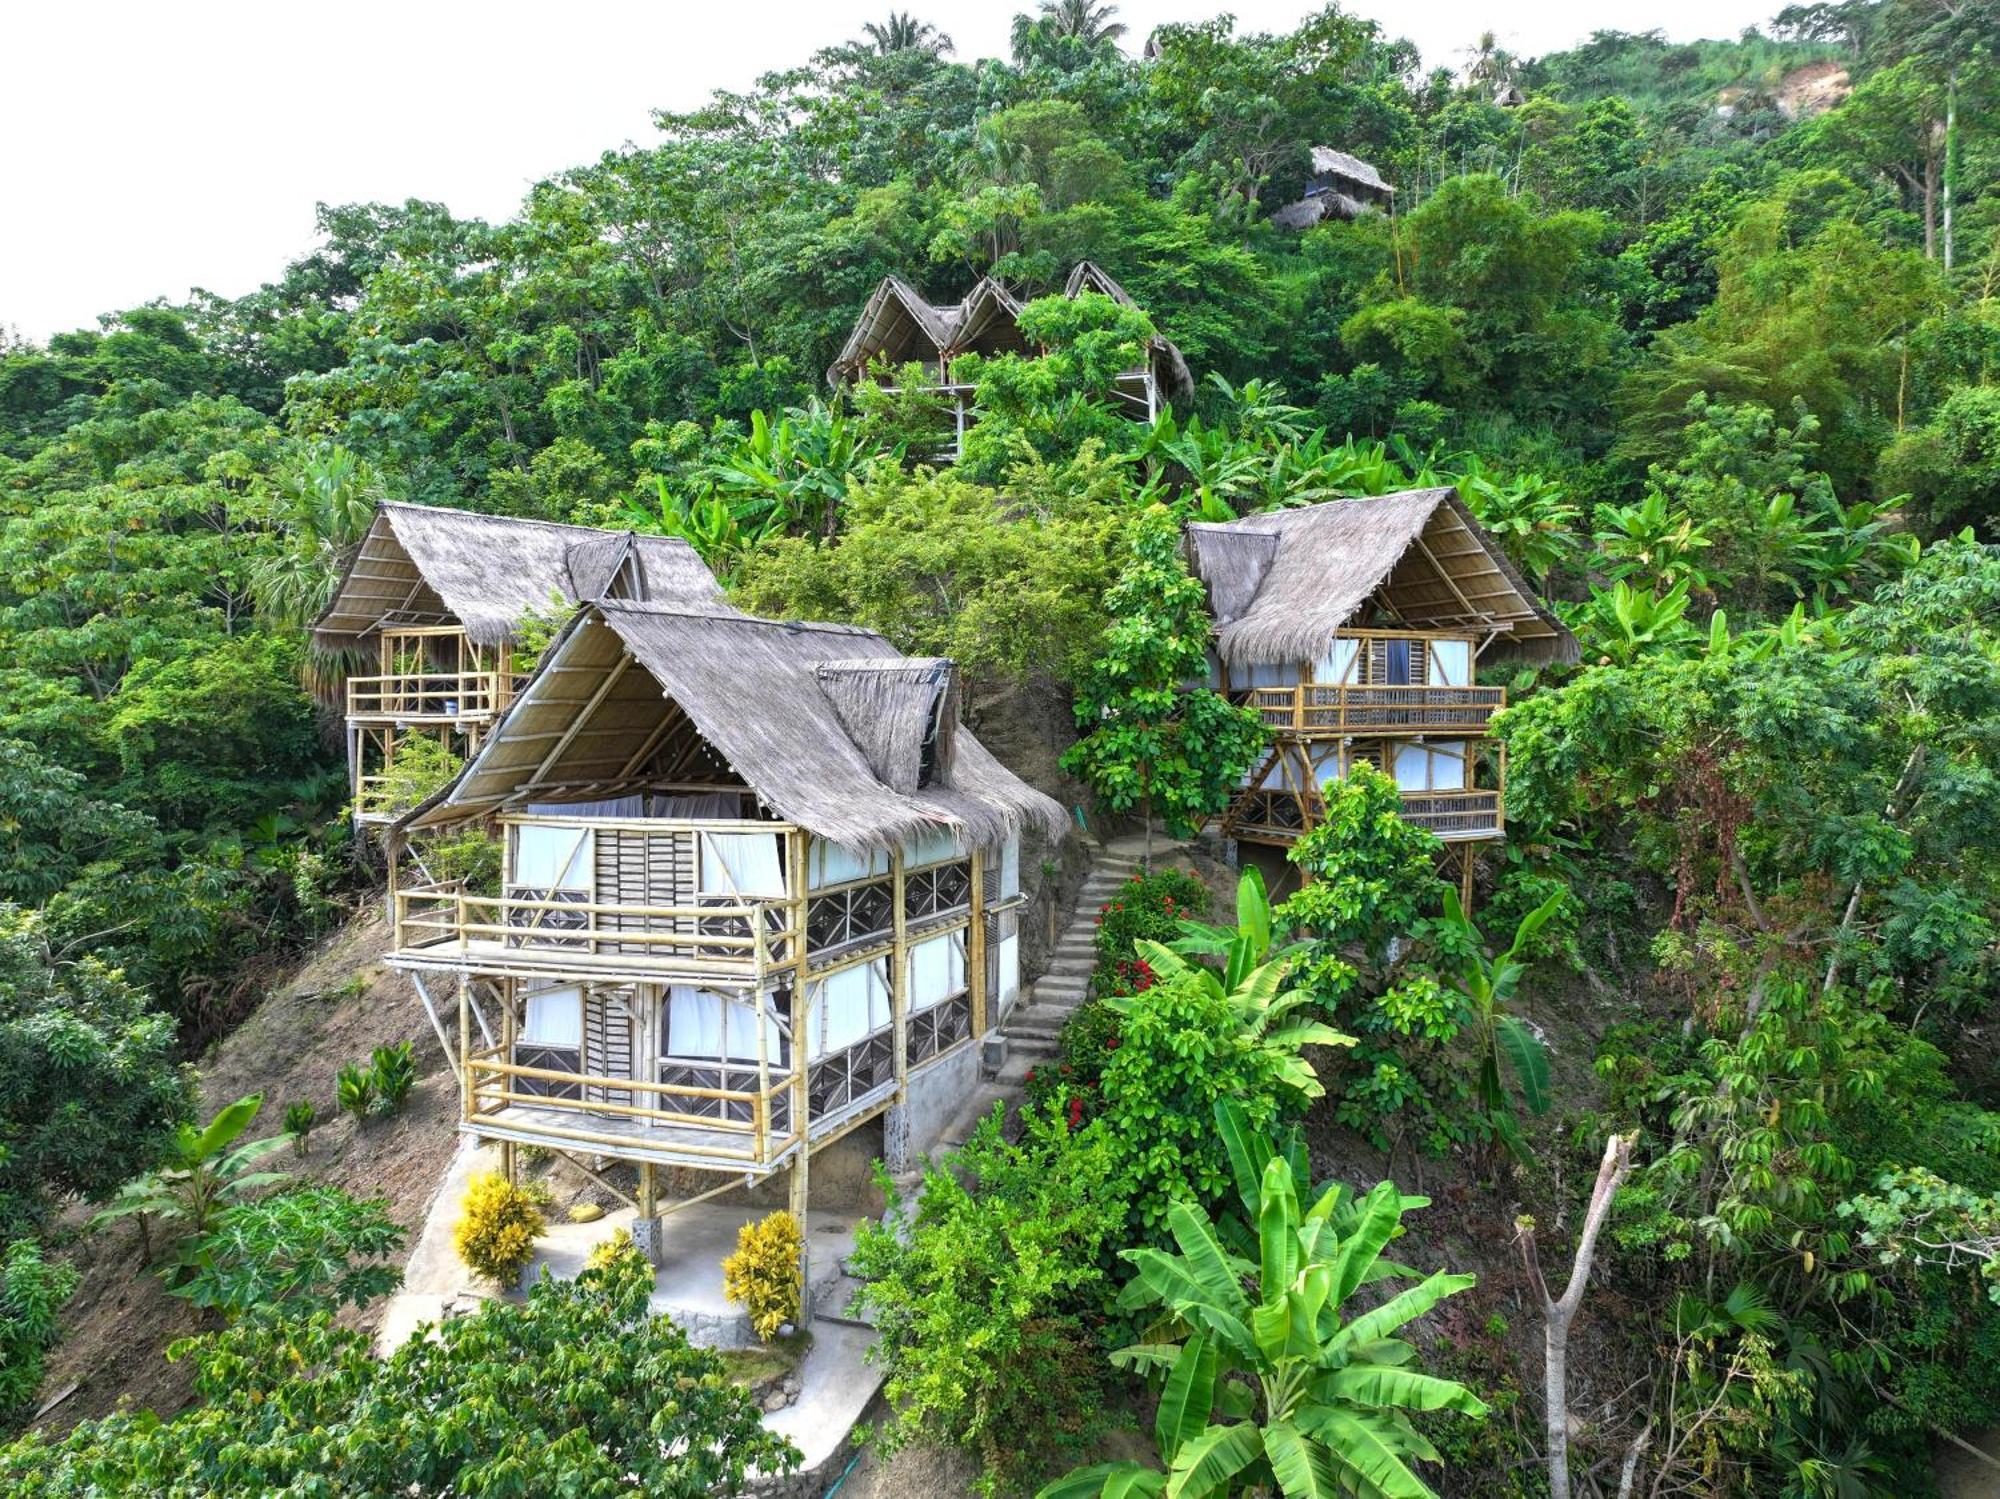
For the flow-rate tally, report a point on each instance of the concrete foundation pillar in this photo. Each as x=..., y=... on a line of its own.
x=896, y=1153
x=646, y=1237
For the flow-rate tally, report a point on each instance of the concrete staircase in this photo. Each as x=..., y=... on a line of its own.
x=1029, y=1032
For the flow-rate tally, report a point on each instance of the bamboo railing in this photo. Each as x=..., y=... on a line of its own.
x=1274, y=812
x=493, y=1101
x=511, y=933
x=1309, y=708
x=429, y=696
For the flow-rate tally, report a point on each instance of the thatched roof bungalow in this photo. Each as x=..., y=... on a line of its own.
x=427, y=565
x=826, y=727
x=1341, y=186
x=1283, y=583
x=899, y=326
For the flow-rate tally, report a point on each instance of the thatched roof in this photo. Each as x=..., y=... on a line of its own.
x=1417, y=557
x=684, y=697
x=897, y=326
x=1327, y=162
x=422, y=564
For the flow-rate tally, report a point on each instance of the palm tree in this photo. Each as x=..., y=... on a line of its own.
x=903, y=32
x=1090, y=24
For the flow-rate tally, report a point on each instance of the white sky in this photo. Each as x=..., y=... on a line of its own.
x=149, y=147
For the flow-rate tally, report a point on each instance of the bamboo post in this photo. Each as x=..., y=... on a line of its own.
x=468, y=1100
x=975, y=944
x=801, y=1119
x=899, y=978
x=760, y=1115
x=798, y=844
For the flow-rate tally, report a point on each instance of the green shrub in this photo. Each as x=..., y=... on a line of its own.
x=578, y=1390
x=497, y=1227
x=764, y=1275
x=316, y=1249
x=300, y=1117
x=354, y=1089
x=988, y=1291
x=32, y=1294
x=1181, y=1047
x=392, y=1073
x=1069, y=1082
x=1149, y=906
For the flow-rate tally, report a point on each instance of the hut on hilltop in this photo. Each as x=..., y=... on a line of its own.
x=1355, y=628
x=898, y=328
x=437, y=598
x=1341, y=186
x=759, y=888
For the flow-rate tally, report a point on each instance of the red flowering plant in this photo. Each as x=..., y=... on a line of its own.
x=1147, y=907
x=1069, y=1080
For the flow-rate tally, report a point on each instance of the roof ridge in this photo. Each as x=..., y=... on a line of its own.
x=600, y=532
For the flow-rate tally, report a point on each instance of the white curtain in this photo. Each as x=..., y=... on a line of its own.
x=722, y=805
x=929, y=848
x=704, y=1026
x=554, y=1018
x=833, y=865
x=742, y=864
x=1009, y=983
x=1431, y=767
x=850, y=1004
x=1450, y=663
x=1271, y=674
x=1010, y=866
x=552, y=858
x=1331, y=769
x=937, y=970
x=1337, y=665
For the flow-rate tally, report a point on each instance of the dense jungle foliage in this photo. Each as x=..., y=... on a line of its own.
x=1708, y=335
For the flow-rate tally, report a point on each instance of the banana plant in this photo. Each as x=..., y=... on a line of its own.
x=200, y=1177
x=1622, y=623
x=1488, y=985
x=1653, y=544
x=1251, y=983
x=1242, y=947
x=1269, y=1376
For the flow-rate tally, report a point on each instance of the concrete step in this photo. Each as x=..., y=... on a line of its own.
x=1040, y=1022
x=1034, y=1048
x=1062, y=983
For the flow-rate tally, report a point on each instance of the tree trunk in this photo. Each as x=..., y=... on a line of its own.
x=1950, y=148
x=1557, y=1315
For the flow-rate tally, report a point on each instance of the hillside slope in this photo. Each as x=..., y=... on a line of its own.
x=116, y=1331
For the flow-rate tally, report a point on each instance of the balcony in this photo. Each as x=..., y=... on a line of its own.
x=1278, y=816
x=548, y=934
x=429, y=697
x=1309, y=710
x=705, y=1113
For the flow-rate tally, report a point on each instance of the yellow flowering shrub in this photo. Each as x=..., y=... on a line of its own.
x=498, y=1224
x=763, y=1276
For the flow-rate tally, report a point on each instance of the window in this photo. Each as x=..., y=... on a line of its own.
x=742, y=864
x=703, y=1025
x=552, y=858
x=1430, y=767
x=1396, y=663
x=554, y=1018
x=848, y=1006
x=833, y=865
x=1010, y=867
x=1339, y=662
x=1451, y=663
x=930, y=848
x=1271, y=674
x=937, y=970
